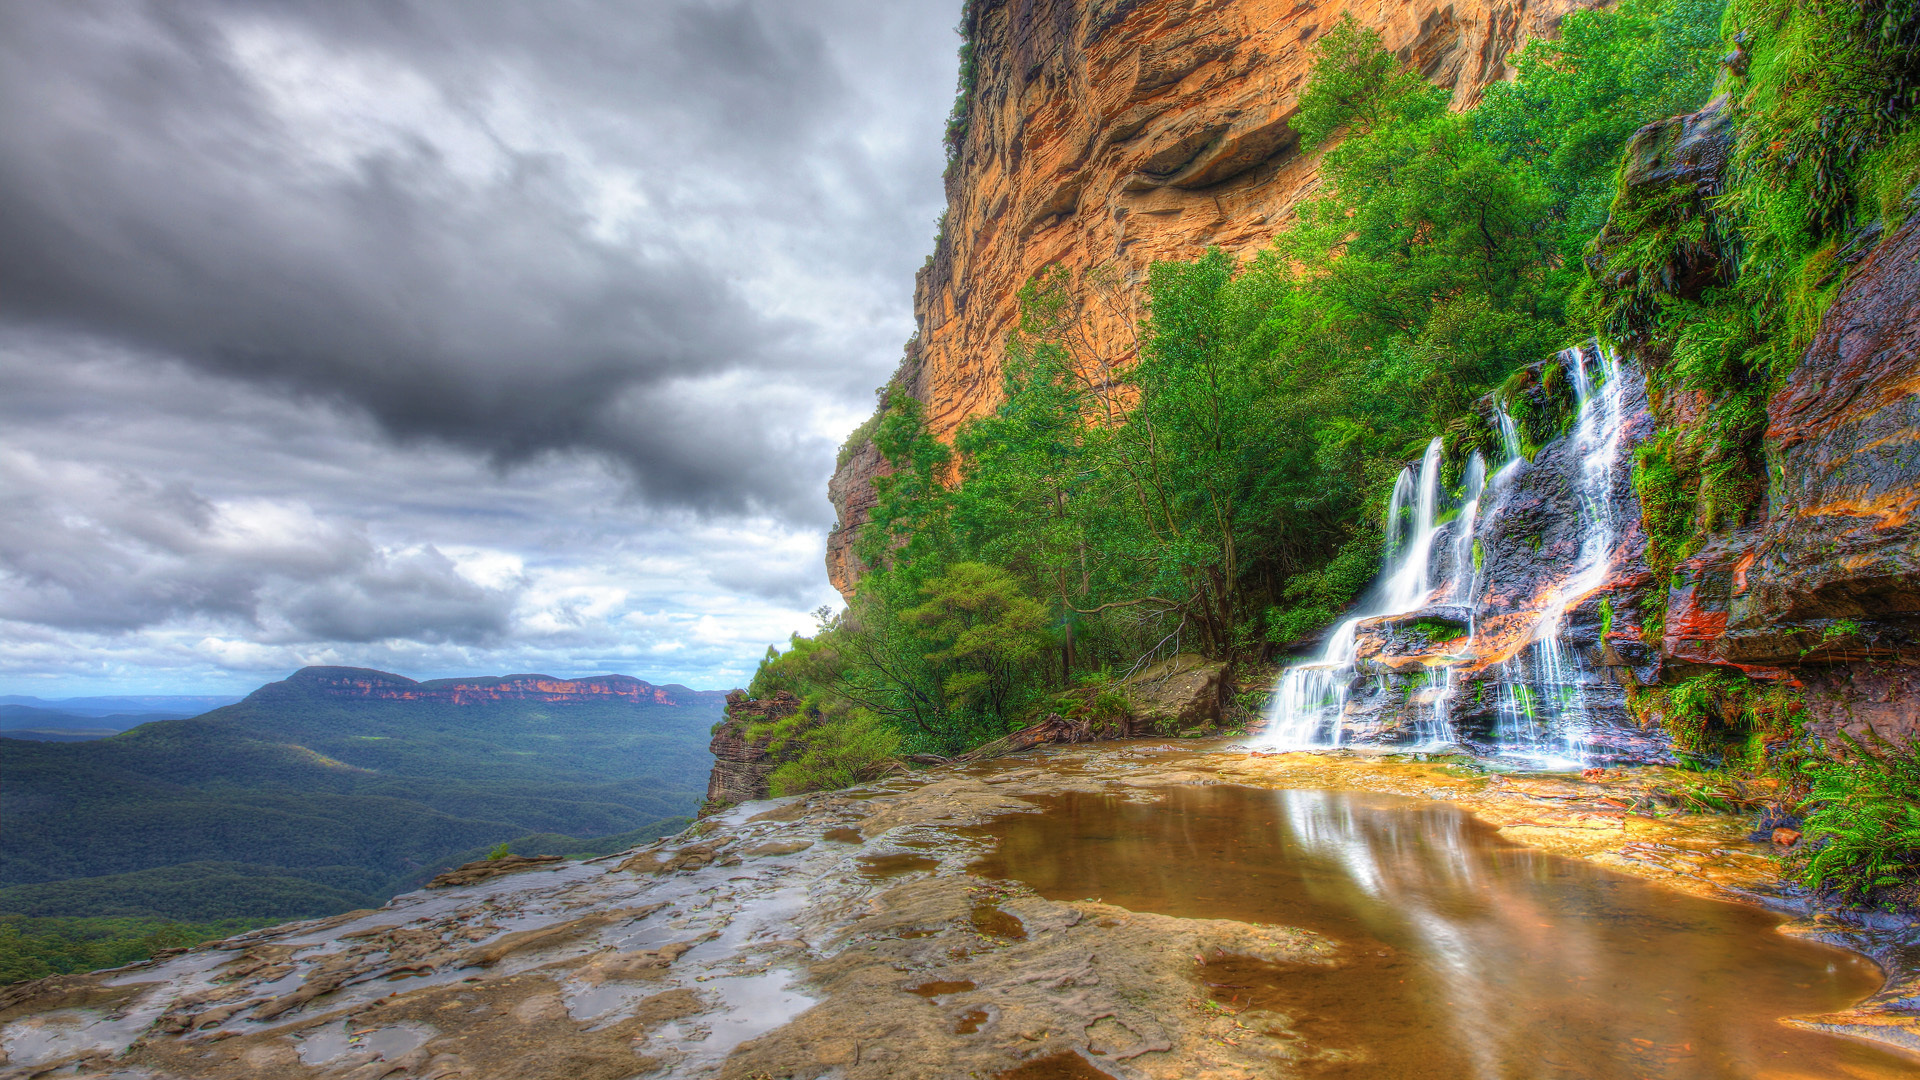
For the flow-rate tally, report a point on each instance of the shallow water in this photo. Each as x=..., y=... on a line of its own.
x=1463, y=956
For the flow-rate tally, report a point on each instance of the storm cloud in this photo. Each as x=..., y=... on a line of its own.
x=293, y=294
x=515, y=228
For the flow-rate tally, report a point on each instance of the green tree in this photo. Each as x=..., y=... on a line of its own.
x=985, y=633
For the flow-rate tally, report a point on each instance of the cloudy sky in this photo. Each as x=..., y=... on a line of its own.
x=442, y=336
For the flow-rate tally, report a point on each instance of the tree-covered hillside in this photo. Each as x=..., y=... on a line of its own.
x=304, y=800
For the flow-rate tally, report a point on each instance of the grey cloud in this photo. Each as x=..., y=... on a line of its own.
x=454, y=284
x=418, y=596
x=92, y=551
x=444, y=336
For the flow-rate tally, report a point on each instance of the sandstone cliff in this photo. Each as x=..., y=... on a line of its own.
x=741, y=764
x=1104, y=135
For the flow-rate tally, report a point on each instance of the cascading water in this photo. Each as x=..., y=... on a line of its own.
x=1464, y=582
x=1509, y=432
x=1312, y=697
x=1544, y=710
x=1537, y=690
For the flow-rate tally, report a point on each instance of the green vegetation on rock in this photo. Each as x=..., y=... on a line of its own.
x=1717, y=276
x=1863, y=826
x=1222, y=494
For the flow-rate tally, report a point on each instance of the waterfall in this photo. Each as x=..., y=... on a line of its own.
x=1540, y=707
x=1312, y=697
x=1551, y=679
x=1407, y=587
x=1464, y=582
x=1509, y=431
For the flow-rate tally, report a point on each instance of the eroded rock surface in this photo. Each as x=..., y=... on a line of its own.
x=1825, y=588
x=837, y=934
x=741, y=764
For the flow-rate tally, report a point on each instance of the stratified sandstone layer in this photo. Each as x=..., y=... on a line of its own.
x=741, y=764
x=1826, y=586
x=1105, y=135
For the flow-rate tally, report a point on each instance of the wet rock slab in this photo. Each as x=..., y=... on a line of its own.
x=839, y=934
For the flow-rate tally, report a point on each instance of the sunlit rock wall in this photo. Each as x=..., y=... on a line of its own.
x=1108, y=134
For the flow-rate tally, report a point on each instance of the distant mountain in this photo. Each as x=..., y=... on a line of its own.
x=28, y=722
x=339, y=784
x=168, y=704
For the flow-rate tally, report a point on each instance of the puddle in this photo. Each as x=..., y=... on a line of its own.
x=1465, y=956
x=934, y=989
x=1066, y=1065
x=339, y=1040
x=843, y=835
x=896, y=865
x=991, y=921
x=970, y=1021
x=48, y=1038
x=752, y=1005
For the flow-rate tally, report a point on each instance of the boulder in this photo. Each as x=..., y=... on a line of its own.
x=1176, y=695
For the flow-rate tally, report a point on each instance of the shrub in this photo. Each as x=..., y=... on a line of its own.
x=1723, y=716
x=833, y=752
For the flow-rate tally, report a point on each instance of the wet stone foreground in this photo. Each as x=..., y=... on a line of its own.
x=1126, y=910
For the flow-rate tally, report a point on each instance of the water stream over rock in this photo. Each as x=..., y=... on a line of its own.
x=1487, y=621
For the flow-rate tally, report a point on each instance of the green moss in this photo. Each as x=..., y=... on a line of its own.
x=1724, y=716
x=1466, y=435
x=1667, y=493
x=1890, y=177
x=1435, y=630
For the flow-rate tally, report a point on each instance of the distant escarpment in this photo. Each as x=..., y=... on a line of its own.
x=1101, y=136
x=366, y=684
x=337, y=787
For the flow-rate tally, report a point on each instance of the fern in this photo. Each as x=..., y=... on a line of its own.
x=1864, y=830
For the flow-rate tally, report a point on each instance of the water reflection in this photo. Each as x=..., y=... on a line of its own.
x=1463, y=956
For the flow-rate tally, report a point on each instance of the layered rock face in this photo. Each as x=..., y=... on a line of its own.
x=1104, y=135
x=741, y=763
x=1826, y=587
